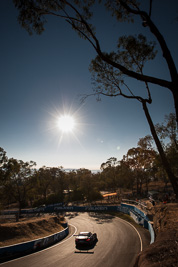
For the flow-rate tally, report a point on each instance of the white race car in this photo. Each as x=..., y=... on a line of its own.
x=85, y=239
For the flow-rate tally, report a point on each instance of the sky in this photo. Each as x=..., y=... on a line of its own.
x=43, y=78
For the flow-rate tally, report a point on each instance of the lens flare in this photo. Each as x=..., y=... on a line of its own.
x=66, y=123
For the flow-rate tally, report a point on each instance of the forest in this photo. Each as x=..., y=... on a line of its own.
x=22, y=183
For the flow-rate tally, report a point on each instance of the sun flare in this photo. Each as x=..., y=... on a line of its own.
x=66, y=123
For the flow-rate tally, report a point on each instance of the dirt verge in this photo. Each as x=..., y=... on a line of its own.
x=164, y=251
x=29, y=229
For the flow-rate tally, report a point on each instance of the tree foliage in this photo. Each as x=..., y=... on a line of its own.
x=110, y=69
x=33, y=16
x=168, y=129
x=20, y=182
x=16, y=180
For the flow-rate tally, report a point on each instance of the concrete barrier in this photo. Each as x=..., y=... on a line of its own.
x=10, y=252
x=141, y=218
x=138, y=215
x=152, y=233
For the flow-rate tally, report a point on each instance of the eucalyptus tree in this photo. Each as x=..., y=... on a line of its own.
x=116, y=174
x=84, y=177
x=100, y=183
x=168, y=133
x=141, y=161
x=43, y=182
x=125, y=175
x=72, y=180
x=58, y=182
x=3, y=157
x=3, y=160
x=133, y=156
x=108, y=81
x=109, y=173
x=110, y=69
x=87, y=186
x=4, y=197
x=18, y=180
x=168, y=130
x=33, y=14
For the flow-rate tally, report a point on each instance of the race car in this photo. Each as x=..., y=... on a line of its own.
x=85, y=239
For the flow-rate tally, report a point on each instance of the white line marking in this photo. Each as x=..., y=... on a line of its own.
x=52, y=246
x=141, y=244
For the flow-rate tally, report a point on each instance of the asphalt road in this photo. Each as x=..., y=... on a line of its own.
x=118, y=245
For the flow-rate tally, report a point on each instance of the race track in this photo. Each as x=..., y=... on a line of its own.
x=118, y=245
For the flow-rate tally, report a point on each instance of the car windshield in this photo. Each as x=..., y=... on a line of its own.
x=84, y=234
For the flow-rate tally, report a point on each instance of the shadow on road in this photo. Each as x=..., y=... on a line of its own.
x=86, y=248
x=71, y=215
x=84, y=251
x=101, y=218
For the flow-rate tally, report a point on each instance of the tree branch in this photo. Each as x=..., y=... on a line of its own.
x=166, y=53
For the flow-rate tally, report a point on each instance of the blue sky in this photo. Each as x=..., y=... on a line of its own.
x=42, y=77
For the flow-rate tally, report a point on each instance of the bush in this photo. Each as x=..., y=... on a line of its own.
x=54, y=198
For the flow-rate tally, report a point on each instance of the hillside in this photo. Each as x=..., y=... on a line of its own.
x=29, y=229
x=164, y=251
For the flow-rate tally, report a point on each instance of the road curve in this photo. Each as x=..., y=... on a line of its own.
x=118, y=245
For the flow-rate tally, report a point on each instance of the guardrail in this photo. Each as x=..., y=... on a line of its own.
x=131, y=209
x=152, y=233
x=57, y=209
x=136, y=203
x=13, y=251
x=141, y=218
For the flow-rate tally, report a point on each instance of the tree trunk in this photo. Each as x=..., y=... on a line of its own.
x=175, y=96
x=173, y=179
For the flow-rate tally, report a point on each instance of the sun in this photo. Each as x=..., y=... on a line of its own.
x=66, y=123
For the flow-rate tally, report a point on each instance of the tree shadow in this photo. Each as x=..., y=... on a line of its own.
x=101, y=218
x=71, y=215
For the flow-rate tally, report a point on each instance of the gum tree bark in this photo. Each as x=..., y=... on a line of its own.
x=173, y=179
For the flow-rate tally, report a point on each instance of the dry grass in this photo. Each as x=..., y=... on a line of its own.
x=29, y=229
x=164, y=251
